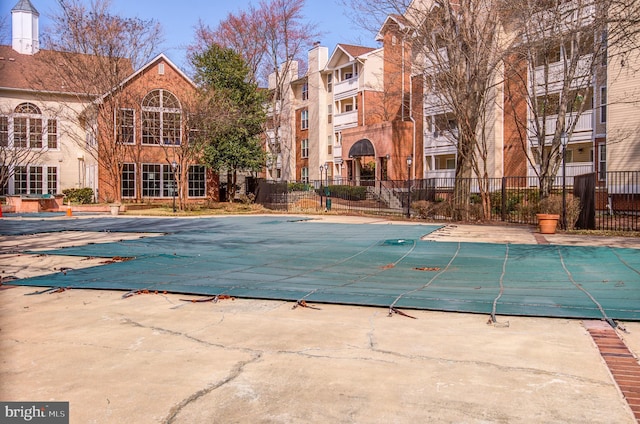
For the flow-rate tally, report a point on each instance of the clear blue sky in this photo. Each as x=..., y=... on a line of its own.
x=178, y=19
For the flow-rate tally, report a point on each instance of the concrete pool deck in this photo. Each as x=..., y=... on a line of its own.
x=158, y=358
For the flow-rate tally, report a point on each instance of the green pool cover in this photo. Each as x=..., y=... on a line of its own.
x=382, y=265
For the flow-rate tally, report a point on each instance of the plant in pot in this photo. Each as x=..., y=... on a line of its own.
x=549, y=210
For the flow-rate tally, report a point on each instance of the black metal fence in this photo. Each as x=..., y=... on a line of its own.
x=586, y=202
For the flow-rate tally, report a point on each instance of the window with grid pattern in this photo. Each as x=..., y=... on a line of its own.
x=35, y=180
x=129, y=180
x=169, y=180
x=125, y=126
x=161, y=118
x=52, y=180
x=52, y=134
x=151, y=180
x=151, y=127
x=4, y=131
x=20, y=180
x=197, y=181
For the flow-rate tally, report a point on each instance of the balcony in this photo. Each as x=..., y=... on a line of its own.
x=440, y=142
x=555, y=79
x=346, y=88
x=337, y=151
x=573, y=169
x=441, y=173
x=582, y=132
x=345, y=120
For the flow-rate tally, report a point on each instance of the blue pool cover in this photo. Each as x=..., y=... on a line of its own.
x=382, y=265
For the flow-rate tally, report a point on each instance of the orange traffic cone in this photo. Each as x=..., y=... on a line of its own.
x=0, y=211
x=69, y=211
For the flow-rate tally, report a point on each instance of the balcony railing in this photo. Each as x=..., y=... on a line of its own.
x=345, y=120
x=337, y=151
x=440, y=140
x=346, y=88
x=582, y=132
x=555, y=78
x=573, y=169
x=441, y=173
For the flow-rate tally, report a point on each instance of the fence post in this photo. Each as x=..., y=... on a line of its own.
x=503, y=200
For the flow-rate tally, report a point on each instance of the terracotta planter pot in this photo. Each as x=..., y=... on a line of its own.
x=548, y=222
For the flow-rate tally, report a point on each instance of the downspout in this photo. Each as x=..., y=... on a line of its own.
x=413, y=121
x=411, y=118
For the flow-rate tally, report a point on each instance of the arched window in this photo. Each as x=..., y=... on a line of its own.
x=161, y=118
x=27, y=126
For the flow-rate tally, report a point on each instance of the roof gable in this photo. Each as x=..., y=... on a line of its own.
x=161, y=58
x=350, y=51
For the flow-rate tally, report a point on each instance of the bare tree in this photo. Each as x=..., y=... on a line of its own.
x=96, y=51
x=458, y=48
x=274, y=41
x=563, y=50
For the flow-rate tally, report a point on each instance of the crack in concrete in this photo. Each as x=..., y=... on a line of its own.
x=499, y=367
x=235, y=372
x=371, y=334
x=189, y=337
x=372, y=347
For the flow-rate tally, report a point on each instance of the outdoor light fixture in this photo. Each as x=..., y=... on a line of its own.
x=326, y=173
x=321, y=168
x=564, y=139
x=174, y=166
x=409, y=162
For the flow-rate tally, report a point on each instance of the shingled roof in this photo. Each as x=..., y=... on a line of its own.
x=44, y=71
x=356, y=51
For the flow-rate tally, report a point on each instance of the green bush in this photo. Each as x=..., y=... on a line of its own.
x=346, y=192
x=298, y=187
x=78, y=195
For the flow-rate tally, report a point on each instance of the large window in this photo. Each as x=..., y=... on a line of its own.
x=125, y=126
x=151, y=180
x=158, y=180
x=35, y=180
x=197, y=181
x=169, y=180
x=20, y=180
x=28, y=128
x=161, y=118
x=304, y=119
x=129, y=180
